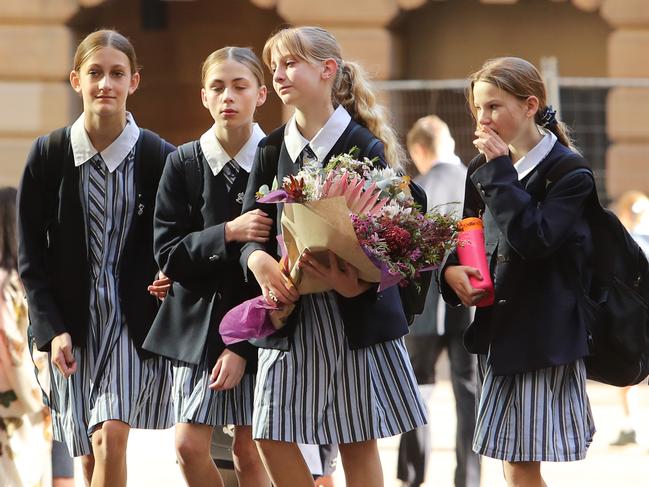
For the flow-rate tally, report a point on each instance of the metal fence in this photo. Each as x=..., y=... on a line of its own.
x=582, y=103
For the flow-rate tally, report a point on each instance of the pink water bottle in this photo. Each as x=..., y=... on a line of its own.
x=471, y=252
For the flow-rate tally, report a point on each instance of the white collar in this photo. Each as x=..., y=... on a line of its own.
x=323, y=141
x=217, y=157
x=540, y=151
x=114, y=154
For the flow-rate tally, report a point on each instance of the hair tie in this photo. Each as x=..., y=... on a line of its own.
x=548, y=117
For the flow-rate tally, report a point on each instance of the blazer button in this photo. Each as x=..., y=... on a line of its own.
x=502, y=302
x=478, y=185
x=500, y=258
x=213, y=257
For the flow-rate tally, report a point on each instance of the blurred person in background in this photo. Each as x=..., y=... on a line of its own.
x=25, y=433
x=440, y=326
x=632, y=208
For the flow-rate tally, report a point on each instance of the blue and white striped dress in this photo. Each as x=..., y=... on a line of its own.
x=112, y=381
x=323, y=392
x=538, y=416
x=195, y=402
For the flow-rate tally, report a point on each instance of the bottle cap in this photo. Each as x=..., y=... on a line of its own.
x=471, y=223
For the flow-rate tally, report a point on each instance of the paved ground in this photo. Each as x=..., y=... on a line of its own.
x=151, y=459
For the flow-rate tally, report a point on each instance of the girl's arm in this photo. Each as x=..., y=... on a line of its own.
x=260, y=257
x=263, y=172
x=184, y=253
x=534, y=230
x=44, y=313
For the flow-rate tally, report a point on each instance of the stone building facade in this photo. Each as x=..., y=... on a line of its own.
x=394, y=39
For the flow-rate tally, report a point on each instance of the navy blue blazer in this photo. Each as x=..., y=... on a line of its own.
x=369, y=318
x=533, y=240
x=190, y=248
x=53, y=260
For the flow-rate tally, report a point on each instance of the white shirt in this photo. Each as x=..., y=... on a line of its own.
x=114, y=154
x=322, y=142
x=217, y=157
x=540, y=151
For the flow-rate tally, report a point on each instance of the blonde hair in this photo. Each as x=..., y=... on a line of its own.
x=521, y=79
x=243, y=55
x=350, y=88
x=105, y=38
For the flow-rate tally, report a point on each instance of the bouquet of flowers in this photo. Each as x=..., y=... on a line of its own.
x=364, y=215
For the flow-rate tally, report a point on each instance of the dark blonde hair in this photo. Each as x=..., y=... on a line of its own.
x=243, y=55
x=521, y=79
x=350, y=89
x=105, y=38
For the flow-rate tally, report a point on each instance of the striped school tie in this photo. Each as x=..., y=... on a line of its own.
x=307, y=154
x=230, y=173
x=96, y=210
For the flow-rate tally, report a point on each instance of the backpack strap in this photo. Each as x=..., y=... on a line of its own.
x=150, y=151
x=194, y=177
x=363, y=139
x=571, y=166
x=273, y=146
x=57, y=149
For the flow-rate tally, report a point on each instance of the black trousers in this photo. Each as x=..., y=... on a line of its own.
x=414, y=446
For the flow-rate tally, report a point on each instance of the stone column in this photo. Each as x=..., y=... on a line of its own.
x=628, y=108
x=35, y=57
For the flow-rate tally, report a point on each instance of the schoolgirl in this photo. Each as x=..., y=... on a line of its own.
x=533, y=405
x=85, y=216
x=338, y=372
x=198, y=233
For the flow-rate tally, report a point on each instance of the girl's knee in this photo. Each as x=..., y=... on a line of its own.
x=109, y=440
x=245, y=451
x=522, y=473
x=363, y=448
x=188, y=450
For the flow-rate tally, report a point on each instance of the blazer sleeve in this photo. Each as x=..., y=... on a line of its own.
x=264, y=171
x=181, y=252
x=44, y=314
x=534, y=230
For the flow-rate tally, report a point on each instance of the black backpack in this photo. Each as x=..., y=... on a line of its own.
x=616, y=306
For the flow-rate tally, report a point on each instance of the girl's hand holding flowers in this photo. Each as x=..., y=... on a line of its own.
x=275, y=286
x=341, y=276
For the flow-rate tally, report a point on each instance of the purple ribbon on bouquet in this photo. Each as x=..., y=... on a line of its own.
x=250, y=319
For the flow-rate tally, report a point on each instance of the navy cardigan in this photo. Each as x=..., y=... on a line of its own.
x=534, y=241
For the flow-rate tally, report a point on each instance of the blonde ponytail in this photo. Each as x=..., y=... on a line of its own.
x=350, y=88
x=352, y=91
